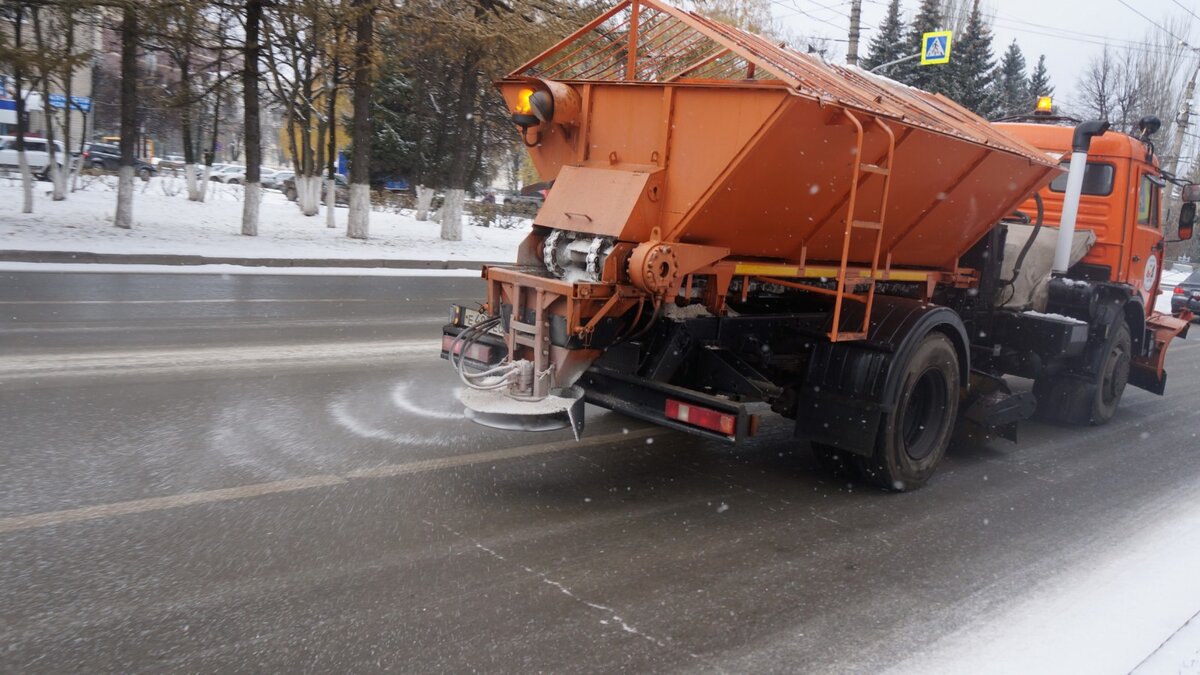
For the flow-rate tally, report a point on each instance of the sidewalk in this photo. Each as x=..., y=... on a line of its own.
x=169, y=259
x=171, y=230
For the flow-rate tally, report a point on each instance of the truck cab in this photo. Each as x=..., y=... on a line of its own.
x=1121, y=204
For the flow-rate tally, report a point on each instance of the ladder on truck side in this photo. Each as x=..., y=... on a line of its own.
x=881, y=167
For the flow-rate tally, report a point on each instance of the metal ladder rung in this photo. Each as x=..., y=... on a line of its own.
x=875, y=169
x=867, y=224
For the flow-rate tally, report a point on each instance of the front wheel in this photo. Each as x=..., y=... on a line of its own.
x=913, y=438
x=1091, y=399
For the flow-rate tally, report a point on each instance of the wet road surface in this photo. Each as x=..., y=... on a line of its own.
x=209, y=473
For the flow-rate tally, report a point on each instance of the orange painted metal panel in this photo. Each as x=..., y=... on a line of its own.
x=757, y=150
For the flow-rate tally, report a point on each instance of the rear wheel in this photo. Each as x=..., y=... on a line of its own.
x=913, y=438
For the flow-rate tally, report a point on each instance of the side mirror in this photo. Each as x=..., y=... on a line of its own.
x=1191, y=193
x=1187, y=220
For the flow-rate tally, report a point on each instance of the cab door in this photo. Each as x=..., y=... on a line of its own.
x=1146, y=241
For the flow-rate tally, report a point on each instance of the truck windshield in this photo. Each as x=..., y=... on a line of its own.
x=1097, y=179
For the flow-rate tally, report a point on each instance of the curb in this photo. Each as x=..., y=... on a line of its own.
x=168, y=259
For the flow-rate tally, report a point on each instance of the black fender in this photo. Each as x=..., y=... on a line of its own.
x=1135, y=316
x=850, y=386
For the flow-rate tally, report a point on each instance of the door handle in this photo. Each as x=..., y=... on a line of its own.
x=1137, y=259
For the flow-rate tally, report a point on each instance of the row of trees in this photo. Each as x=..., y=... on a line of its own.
x=211, y=45
x=425, y=99
x=972, y=78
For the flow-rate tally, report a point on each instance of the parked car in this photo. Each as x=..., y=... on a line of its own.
x=228, y=173
x=168, y=162
x=343, y=189
x=37, y=154
x=279, y=178
x=107, y=157
x=1187, y=295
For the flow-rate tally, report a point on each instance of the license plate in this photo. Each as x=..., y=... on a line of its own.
x=1196, y=295
x=472, y=317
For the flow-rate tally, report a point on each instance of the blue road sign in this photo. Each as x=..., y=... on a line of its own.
x=935, y=47
x=80, y=103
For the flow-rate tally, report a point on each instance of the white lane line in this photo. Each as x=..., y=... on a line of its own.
x=126, y=362
x=206, y=301
x=66, y=516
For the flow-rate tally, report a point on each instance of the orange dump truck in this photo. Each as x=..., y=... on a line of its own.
x=736, y=229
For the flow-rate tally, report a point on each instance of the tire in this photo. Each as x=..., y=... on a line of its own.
x=291, y=194
x=234, y=181
x=1091, y=399
x=913, y=438
x=144, y=174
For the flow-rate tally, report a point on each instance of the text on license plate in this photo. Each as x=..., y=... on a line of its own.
x=472, y=317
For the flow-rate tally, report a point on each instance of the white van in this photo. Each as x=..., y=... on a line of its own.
x=36, y=153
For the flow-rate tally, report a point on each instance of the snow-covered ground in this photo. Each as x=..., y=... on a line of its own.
x=166, y=223
x=1123, y=611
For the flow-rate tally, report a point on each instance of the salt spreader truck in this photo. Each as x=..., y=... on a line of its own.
x=736, y=229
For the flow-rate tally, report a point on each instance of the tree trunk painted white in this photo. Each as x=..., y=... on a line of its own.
x=452, y=215
x=424, y=201
x=306, y=196
x=58, y=175
x=358, y=223
x=124, y=218
x=26, y=182
x=330, y=202
x=205, y=181
x=73, y=169
x=250, y=202
x=193, y=185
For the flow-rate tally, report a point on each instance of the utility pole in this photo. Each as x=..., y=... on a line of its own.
x=1181, y=125
x=855, y=22
x=1181, y=122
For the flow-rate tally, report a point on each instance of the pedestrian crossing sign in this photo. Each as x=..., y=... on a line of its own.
x=935, y=47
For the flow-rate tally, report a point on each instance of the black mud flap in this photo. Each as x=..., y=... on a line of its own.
x=991, y=409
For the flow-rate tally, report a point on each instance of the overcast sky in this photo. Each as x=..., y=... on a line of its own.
x=1068, y=32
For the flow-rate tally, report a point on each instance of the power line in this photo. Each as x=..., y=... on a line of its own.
x=1156, y=24
x=1186, y=9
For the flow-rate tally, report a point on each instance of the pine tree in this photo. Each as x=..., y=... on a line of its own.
x=933, y=78
x=971, y=66
x=1039, y=83
x=888, y=43
x=1012, y=88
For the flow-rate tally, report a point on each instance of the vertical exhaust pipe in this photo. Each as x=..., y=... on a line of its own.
x=1080, y=144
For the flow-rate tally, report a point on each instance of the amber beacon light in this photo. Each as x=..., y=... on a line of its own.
x=544, y=102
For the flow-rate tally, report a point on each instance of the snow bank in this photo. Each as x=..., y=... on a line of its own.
x=165, y=222
x=102, y=268
x=1107, y=616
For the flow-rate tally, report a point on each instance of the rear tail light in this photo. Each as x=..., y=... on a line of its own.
x=1179, y=291
x=705, y=418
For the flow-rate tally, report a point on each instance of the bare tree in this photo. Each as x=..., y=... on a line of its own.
x=250, y=76
x=129, y=82
x=21, y=61
x=358, y=222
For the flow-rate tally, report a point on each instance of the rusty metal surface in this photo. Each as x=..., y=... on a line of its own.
x=674, y=45
x=754, y=147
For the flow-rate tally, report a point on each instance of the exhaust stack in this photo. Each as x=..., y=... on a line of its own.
x=1084, y=133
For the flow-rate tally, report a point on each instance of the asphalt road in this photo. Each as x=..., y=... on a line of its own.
x=269, y=474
